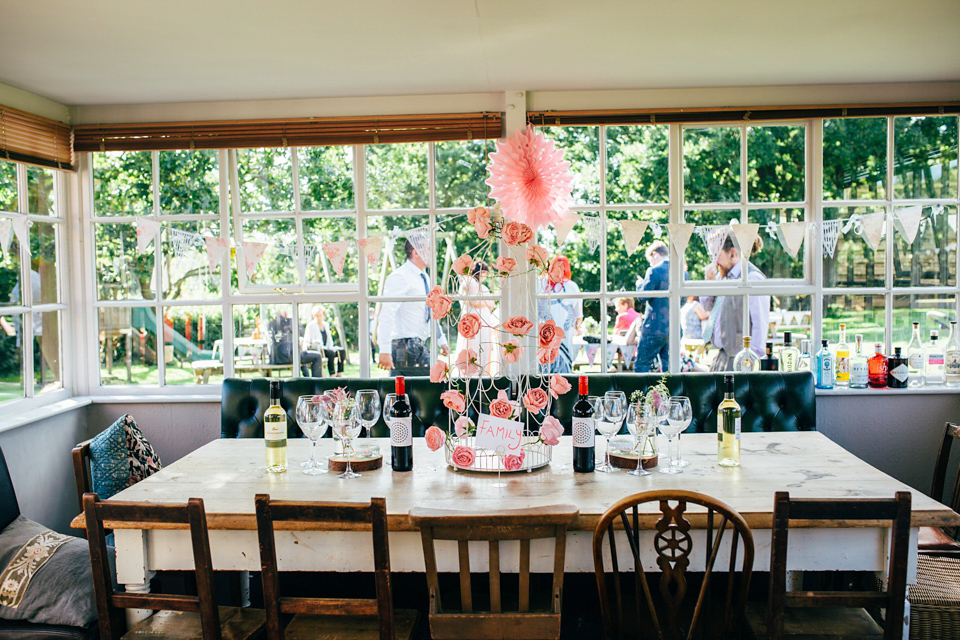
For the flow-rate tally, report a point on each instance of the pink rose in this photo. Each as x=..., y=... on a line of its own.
x=501, y=407
x=550, y=334
x=477, y=213
x=525, y=233
x=463, y=457
x=466, y=362
x=550, y=431
x=483, y=228
x=435, y=438
x=535, y=400
x=438, y=372
x=505, y=265
x=511, y=350
x=453, y=400
x=513, y=463
x=517, y=325
x=516, y=233
x=547, y=355
x=537, y=256
x=462, y=426
x=439, y=303
x=463, y=264
x=556, y=272
x=558, y=385
x=469, y=325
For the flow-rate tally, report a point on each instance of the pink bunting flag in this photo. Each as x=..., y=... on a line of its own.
x=252, y=252
x=371, y=248
x=336, y=253
x=147, y=230
x=216, y=248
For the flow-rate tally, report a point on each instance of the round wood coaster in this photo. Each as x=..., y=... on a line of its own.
x=630, y=461
x=339, y=463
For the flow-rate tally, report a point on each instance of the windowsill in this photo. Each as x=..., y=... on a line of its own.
x=846, y=391
x=118, y=398
x=36, y=414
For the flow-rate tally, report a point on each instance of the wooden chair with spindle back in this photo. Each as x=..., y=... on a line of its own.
x=835, y=614
x=936, y=539
x=667, y=615
x=523, y=525
x=179, y=616
x=81, y=470
x=355, y=618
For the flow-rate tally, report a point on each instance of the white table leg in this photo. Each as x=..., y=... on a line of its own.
x=132, y=572
x=136, y=615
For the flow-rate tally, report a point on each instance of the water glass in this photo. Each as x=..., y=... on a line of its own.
x=388, y=401
x=614, y=411
x=684, y=416
x=670, y=428
x=368, y=408
x=637, y=426
x=310, y=420
x=346, y=427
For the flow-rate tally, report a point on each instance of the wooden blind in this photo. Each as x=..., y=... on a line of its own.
x=733, y=114
x=25, y=137
x=298, y=132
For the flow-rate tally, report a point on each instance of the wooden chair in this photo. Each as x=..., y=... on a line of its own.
x=835, y=614
x=180, y=616
x=726, y=534
x=81, y=470
x=522, y=525
x=935, y=539
x=330, y=617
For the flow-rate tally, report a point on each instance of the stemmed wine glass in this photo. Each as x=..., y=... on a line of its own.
x=637, y=426
x=368, y=408
x=388, y=401
x=310, y=419
x=670, y=428
x=614, y=410
x=684, y=415
x=346, y=427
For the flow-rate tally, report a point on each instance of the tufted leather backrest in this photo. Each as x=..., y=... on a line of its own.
x=9, y=509
x=771, y=401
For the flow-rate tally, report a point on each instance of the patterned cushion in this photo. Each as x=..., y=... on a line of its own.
x=121, y=456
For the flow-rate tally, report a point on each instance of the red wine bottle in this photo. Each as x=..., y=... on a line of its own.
x=401, y=431
x=583, y=428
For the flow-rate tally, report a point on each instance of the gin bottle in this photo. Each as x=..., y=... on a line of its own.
x=915, y=358
x=897, y=370
x=877, y=368
x=769, y=362
x=841, y=356
x=805, y=361
x=747, y=359
x=951, y=363
x=934, y=360
x=858, y=366
x=825, y=370
x=789, y=354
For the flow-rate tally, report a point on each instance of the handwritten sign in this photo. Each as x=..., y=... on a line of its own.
x=497, y=434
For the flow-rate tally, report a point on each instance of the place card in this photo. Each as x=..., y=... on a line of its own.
x=498, y=434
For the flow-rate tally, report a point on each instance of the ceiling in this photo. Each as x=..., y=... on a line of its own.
x=103, y=52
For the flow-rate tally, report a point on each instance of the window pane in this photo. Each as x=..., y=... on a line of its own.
x=278, y=265
x=925, y=149
x=265, y=179
x=583, y=255
x=397, y=176
x=585, y=341
x=10, y=276
x=854, y=263
x=193, y=334
x=186, y=267
x=128, y=345
x=316, y=232
x=46, y=352
x=626, y=273
x=393, y=254
x=775, y=158
x=711, y=164
x=331, y=347
x=932, y=258
x=933, y=312
x=123, y=273
x=461, y=171
x=697, y=255
x=581, y=148
x=793, y=314
x=11, y=358
x=863, y=314
x=122, y=183
x=773, y=260
x=8, y=187
x=326, y=178
x=189, y=181
x=637, y=167
x=41, y=199
x=263, y=340
x=854, y=159
x=43, y=273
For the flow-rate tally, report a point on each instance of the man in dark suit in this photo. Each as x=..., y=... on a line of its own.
x=655, y=332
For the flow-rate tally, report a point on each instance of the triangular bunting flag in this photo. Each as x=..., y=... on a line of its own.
x=371, y=248
x=791, y=236
x=146, y=231
x=20, y=226
x=420, y=239
x=713, y=236
x=632, y=231
x=6, y=234
x=746, y=234
x=564, y=225
x=680, y=236
x=336, y=253
x=907, y=222
x=591, y=226
x=830, y=232
x=252, y=252
x=873, y=228
x=216, y=248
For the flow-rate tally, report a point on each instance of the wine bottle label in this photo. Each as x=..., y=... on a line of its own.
x=275, y=429
x=583, y=432
x=952, y=362
x=916, y=360
x=736, y=428
x=401, y=432
x=901, y=372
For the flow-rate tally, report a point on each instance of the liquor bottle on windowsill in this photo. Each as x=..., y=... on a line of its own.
x=877, y=368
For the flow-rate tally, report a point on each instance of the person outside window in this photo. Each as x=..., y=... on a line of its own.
x=566, y=312
x=626, y=316
x=404, y=327
x=654, y=340
x=317, y=338
x=281, y=346
x=486, y=343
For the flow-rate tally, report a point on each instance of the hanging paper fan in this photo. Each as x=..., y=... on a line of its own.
x=530, y=179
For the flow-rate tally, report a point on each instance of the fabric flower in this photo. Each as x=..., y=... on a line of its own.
x=469, y=325
x=517, y=325
x=463, y=264
x=438, y=372
x=462, y=426
x=466, y=362
x=535, y=399
x=479, y=217
x=547, y=355
x=511, y=350
x=483, y=228
x=515, y=233
x=537, y=256
x=453, y=400
x=501, y=407
x=463, y=457
x=439, y=303
x=505, y=265
x=435, y=437
x=558, y=385
x=550, y=431
x=556, y=272
x=550, y=335
x=514, y=463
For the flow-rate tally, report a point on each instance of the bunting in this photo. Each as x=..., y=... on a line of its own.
x=6, y=234
x=420, y=238
x=591, y=227
x=746, y=235
x=564, y=226
x=632, y=231
x=907, y=222
x=830, y=231
x=713, y=237
x=184, y=241
x=680, y=233
x=371, y=248
x=791, y=236
x=252, y=252
x=336, y=253
x=872, y=228
x=216, y=249
x=147, y=230
x=20, y=229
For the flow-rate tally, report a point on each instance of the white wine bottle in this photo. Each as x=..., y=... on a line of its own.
x=728, y=427
x=275, y=431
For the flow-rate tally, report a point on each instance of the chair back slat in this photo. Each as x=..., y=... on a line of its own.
x=523, y=599
x=494, y=563
x=466, y=594
x=81, y=470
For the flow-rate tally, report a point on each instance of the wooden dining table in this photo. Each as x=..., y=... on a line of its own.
x=228, y=473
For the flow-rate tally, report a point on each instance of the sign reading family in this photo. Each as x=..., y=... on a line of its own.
x=498, y=434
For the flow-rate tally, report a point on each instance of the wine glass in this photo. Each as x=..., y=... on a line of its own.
x=346, y=427
x=637, y=426
x=670, y=428
x=683, y=415
x=310, y=419
x=614, y=410
x=388, y=401
x=368, y=408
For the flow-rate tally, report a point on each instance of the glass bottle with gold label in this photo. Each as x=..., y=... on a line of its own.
x=275, y=431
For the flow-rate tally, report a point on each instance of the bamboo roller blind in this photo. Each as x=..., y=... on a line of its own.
x=286, y=132
x=32, y=139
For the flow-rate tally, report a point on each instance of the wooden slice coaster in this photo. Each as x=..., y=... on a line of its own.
x=339, y=463
x=629, y=461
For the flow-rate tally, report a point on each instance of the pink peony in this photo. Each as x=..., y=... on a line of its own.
x=511, y=350
x=550, y=335
x=516, y=233
x=556, y=272
x=550, y=431
x=435, y=438
x=505, y=265
x=558, y=385
x=463, y=265
x=469, y=325
x=483, y=228
x=463, y=457
x=535, y=399
x=501, y=407
x=438, y=372
x=517, y=325
x=513, y=463
x=537, y=256
x=547, y=355
x=462, y=426
x=453, y=400
x=466, y=362
x=478, y=213
x=439, y=303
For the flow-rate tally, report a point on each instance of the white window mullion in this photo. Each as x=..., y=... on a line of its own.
x=814, y=250
x=363, y=309
x=888, y=239
x=674, y=215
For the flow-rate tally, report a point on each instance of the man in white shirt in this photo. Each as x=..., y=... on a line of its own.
x=404, y=327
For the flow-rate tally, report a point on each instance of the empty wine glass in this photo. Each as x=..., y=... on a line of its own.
x=637, y=426
x=368, y=408
x=614, y=410
x=346, y=427
x=310, y=419
x=684, y=415
x=388, y=401
x=670, y=428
